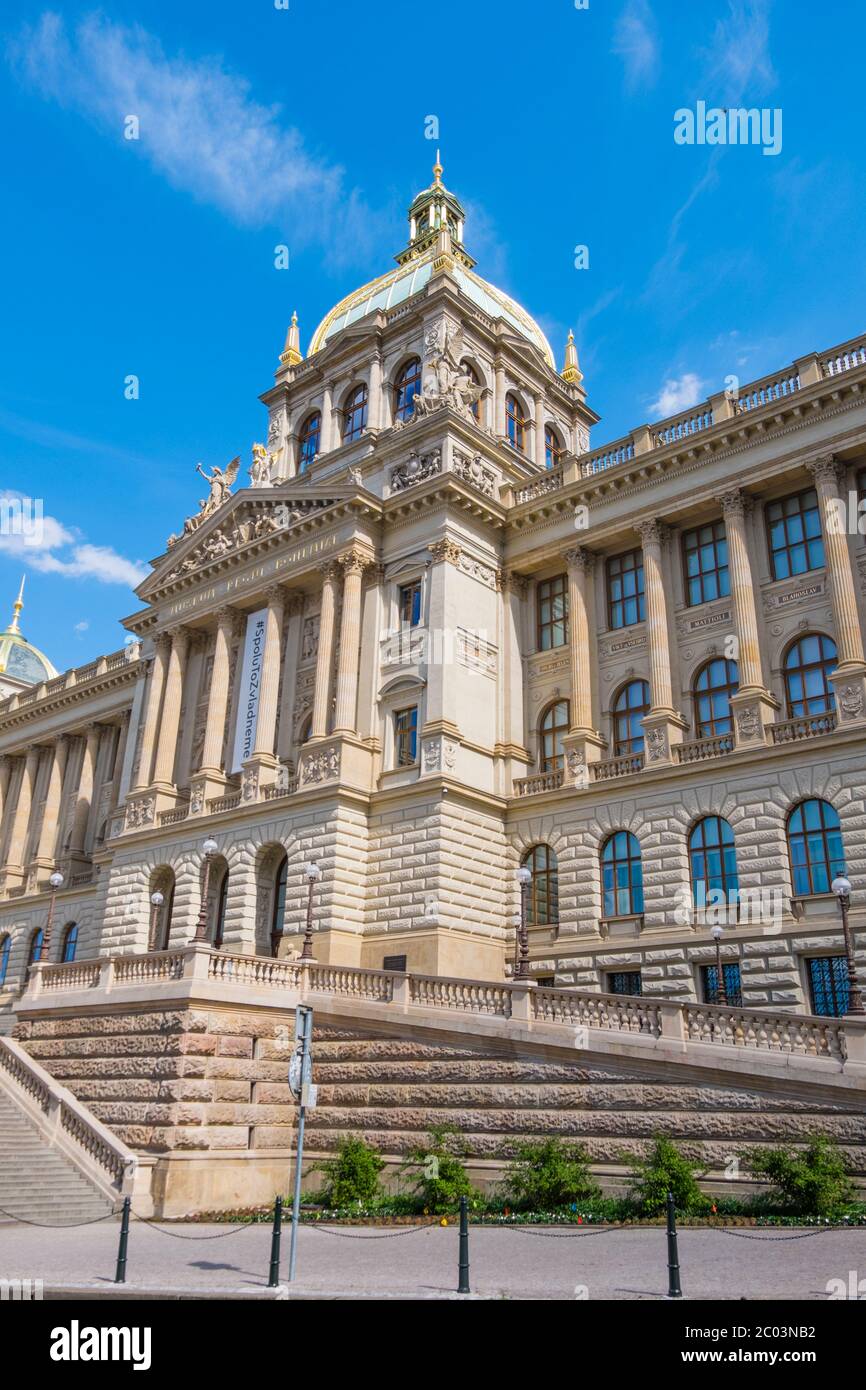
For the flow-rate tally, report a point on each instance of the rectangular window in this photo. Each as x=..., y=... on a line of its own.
x=410, y=604
x=624, y=982
x=705, y=558
x=794, y=534
x=552, y=612
x=546, y=981
x=625, y=590
x=406, y=736
x=710, y=982
x=394, y=963
x=828, y=984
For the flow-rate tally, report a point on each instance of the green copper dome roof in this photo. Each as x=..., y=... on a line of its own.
x=19, y=659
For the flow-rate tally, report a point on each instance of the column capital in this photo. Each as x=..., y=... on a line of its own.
x=445, y=551
x=162, y=642
x=330, y=569
x=180, y=637
x=652, y=532
x=827, y=469
x=295, y=600
x=356, y=560
x=737, y=502
x=275, y=593
x=510, y=580
x=579, y=558
x=227, y=615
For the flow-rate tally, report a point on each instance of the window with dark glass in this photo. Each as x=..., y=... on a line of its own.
x=220, y=920
x=625, y=589
x=705, y=556
x=542, y=908
x=815, y=847
x=555, y=724
x=309, y=441
x=629, y=708
x=715, y=684
x=355, y=414
x=35, y=954
x=794, y=532
x=406, y=387
x=553, y=450
x=713, y=860
x=406, y=736
x=409, y=603
x=551, y=599
x=624, y=982
x=808, y=664
x=622, y=875
x=279, y=910
x=829, y=985
x=733, y=988
x=70, y=943
x=5, y=952
x=515, y=423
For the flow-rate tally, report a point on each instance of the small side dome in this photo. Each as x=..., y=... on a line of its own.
x=20, y=662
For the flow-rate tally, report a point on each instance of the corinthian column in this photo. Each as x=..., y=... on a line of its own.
x=151, y=714
x=21, y=817
x=84, y=798
x=45, y=853
x=663, y=727
x=325, y=653
x=260, y=767
x=166, y=747
x=583, y=744
x=350, y=635
x=218, y=698
x=753, y=704
x=5, y=775
x=849, y=677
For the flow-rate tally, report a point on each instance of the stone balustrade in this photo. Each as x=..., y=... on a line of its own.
x=809, y=726
x=699, y=749
x=616, y=767
x=77, y=675
x=538, y=782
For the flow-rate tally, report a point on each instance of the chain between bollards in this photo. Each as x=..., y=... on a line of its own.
x=463, y=1266
x=674, y=1287
x=274, y=1274
x=120, y=1271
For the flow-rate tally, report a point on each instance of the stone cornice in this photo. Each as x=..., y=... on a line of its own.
x=65, y=699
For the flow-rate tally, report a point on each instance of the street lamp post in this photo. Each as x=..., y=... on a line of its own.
x=156, y=902
x=716, y=934
x=524, y=879
x=56, y=881
x=312, y=873
x=842, y=888
x=209, y=849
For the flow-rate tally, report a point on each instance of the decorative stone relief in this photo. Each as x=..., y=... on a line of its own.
x=474, y=472
x=446, y=550
x=310, y=639
x=749, y=722
x=196, y=799
x=431, y=753
x=476, y=569
x=445, y=381
x=320, y=766
x=801, y=594
x=140, y=812
x=450, y=750
x=250, y=784
x=253, y=526
x=416, y=469
x=657, y=744
x=850, y=698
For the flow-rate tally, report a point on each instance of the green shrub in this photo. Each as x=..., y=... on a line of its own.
x=666, y=1170
x=547, y=1174
x=812, y=1181
x=440, y=1179
x=352, y=1175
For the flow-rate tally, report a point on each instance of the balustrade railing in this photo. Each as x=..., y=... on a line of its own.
x=809, y=726
x=616, y=767
x=702, y=748
x=538, y=782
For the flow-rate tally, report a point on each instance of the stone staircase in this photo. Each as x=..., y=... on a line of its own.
x=37, y=1182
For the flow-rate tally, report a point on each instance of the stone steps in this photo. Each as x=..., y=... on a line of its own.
x=37, y=1182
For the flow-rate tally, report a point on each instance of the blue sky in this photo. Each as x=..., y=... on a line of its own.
x=306, y=126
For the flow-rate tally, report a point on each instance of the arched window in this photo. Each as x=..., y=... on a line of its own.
x=36, y=947
x=715, y=684
x=629, y=708
x=622, y=875
x=553, y=450
x=713, y=860
x=279, y=909
x=309, y=441
x=515, y=423
x=406, y=387
x=220, y=917
x=815, y=847
x=543, y=903
x=355, y=414
x=555, y=723
x=5, y=952
x=808, y=664
x=70, y=942
x=306, y=730
x=468, y=369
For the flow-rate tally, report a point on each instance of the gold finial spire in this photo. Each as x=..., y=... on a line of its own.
x=437, y=169
x=13, y=627
x=571, y=371
x=291, y=353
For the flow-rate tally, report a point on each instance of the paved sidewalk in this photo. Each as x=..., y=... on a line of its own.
x=414, y=1263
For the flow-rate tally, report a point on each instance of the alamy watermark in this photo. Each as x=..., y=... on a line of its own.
x=716, y=907
x=22, y=516
x=729, y=125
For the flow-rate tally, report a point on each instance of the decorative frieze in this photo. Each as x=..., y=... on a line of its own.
x=320, y=765
x=417, y=469
x=476, y=569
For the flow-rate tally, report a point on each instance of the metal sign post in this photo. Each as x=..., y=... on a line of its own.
x=302, y=1088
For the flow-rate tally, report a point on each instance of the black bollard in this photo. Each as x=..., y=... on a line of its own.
x=463, y=1267
x=120, y=1271
x=674, y=1288
x=274, y=1275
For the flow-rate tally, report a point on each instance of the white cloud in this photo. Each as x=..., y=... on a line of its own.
x=678, y=393
x=45, y=544
x=635, y=41
x=81, y=627
x=738, y=62
x=200, y=126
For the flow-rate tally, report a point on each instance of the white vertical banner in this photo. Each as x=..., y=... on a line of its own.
x=251, y=677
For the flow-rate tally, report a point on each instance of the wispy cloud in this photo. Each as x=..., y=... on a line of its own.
x=46, y=544
x=635, y=41
x=199, y=126
x=737, y=62
x=678, y=393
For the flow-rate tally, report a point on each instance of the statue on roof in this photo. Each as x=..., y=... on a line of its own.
x=445, y=380
x=220, y=483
